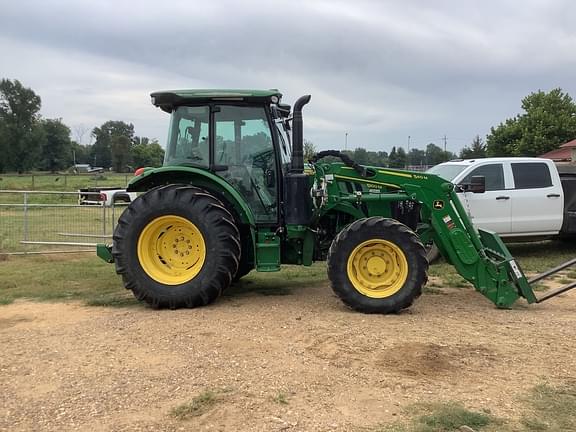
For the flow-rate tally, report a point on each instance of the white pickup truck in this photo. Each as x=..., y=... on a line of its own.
x=525, y=198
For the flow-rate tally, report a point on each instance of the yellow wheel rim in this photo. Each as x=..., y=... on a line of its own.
x=171, y=250
x=377, y=268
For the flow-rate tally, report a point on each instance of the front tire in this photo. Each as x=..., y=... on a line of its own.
x=377, y=265
x=176, y=246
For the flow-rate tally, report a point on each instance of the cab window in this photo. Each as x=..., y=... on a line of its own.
x=188, y=143
x=532, y=175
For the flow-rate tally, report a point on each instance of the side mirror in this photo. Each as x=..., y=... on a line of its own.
x=477, y=184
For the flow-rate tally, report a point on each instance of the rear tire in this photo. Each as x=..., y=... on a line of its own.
x=176, y=246
x=377, y=265
x=242, y=271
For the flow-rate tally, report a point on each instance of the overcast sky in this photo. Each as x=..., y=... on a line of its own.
x=379, y=70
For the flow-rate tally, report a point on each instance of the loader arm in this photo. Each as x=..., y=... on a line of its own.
x=479, y=256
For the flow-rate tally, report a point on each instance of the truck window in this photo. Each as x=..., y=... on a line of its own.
x=494, y=174
x=531, y=175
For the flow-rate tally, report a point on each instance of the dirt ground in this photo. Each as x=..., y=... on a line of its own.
x=298, y=362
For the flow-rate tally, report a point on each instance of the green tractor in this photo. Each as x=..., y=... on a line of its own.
x=235, y=194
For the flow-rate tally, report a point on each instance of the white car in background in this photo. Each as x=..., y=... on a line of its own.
x=107, y=196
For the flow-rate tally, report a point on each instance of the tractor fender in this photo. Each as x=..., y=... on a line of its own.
x=151, y=178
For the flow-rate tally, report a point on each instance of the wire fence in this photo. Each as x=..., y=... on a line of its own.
x=34, y=222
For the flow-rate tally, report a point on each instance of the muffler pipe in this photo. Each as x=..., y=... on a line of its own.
x=297, y=165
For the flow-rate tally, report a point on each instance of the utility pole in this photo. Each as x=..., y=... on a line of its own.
x=408, y=143
x=345, y=140
x=445, y=154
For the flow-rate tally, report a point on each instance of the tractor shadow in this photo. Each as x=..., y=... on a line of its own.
x=285, y=282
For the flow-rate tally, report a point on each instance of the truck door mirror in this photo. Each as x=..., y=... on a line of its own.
x=477, y=184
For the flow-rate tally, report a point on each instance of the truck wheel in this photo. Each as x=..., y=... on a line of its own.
x=377, y=265
x=176, y=246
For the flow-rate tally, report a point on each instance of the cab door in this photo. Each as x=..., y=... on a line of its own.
x=244, y=156
x=492, y=209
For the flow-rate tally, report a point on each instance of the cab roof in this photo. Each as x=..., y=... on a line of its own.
x=168, y=99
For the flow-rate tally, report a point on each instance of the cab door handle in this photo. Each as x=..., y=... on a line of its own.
x=553, y=195
x=502, y=197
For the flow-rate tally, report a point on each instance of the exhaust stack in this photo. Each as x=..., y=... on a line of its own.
x=297, y=165
x=297, y=204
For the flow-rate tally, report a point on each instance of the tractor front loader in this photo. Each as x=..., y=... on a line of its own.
x=235, y=194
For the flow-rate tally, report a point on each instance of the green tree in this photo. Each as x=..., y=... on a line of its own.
x=416, y=157
x=397, y=158
x=381, y=159
x=56, y=151
x=21, y=135
x=81, y=154
x=120, y=151
x=548, y=120
x=102, y=147
x=476, y=150
x=434, y=154
x=309, y=150
x=361, y=156
x=147, y=154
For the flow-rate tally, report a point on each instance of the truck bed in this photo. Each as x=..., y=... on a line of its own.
x=568, y=180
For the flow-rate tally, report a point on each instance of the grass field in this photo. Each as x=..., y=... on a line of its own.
x=86, y=278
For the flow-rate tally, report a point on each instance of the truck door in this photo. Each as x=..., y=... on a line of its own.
x=537, y=199
x=491, y=210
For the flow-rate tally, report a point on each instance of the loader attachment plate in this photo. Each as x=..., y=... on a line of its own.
x=496, y=248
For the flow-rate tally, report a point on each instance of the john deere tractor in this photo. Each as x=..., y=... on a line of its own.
x=235, y=194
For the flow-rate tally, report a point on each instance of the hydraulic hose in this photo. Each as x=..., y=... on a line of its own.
x=347, y=160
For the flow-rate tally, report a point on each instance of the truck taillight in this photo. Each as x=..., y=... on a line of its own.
x=103, y=197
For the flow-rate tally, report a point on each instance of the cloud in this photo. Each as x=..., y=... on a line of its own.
x=380, y=70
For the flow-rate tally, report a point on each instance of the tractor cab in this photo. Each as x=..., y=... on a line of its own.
x=235, y=135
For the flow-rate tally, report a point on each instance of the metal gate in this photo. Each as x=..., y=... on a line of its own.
x=33, y=222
